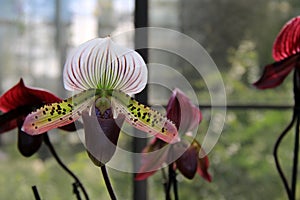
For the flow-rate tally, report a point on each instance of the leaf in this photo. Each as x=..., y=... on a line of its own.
x=143, y=117
x=287, y=42
x=102, y=64
x=58, y=114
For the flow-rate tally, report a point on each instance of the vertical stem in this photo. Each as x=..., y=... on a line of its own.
x=107, y=183
x=175, y=184
x=295, y=161
x=58, y=160
x=165, y=180
x=275, y=154
x=36, y=193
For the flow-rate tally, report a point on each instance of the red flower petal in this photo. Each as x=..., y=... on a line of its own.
x=183, y=112
x=153, y=157
x=28, y=144
x=20, y=95
x=287, y=42
x=275, y=73
x=187, y=162
x=9, y=120
x=203, y=162
x=202, y=169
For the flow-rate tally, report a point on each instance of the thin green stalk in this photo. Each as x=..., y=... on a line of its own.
x=107, y=183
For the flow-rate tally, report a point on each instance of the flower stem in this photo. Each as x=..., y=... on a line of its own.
x=275, y=154
x=58, y=160
x=170, y=181
x=107, y=183
x=165, y=180
x=36, y=193
x=295, y=161
x=174, y=184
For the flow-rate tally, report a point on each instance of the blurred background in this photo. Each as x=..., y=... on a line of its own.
x=36, y=36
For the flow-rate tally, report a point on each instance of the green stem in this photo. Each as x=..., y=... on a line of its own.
x=107, y=183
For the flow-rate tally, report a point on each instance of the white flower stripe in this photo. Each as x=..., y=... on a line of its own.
x=102, y=64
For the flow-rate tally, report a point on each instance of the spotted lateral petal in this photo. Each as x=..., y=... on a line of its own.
x=102, y=64
x=287, y=42
x=58, y=114
x=144, y=118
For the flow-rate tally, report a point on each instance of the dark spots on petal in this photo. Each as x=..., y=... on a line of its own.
x=32, y=124
x=131, y=119
x=65, y=100
x=46, y=109
x=70, y=118
x=44, y=112
x=148, y=120
x=61, y=118
x=58, y=107
x=63, y=113
x=49, y=120
x=145, y=106
x=138, y=109
x=36, y=127
x=52, y=113
x=35, y=117
x=70, y=105
x=64, y=110
x=162, y=129
x=132, y=98
x=135, y=120
x=130, y=105
x=139, y=114
x=59, y=112
x=133, y=108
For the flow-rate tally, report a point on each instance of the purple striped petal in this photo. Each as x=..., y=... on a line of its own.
x=102, y=64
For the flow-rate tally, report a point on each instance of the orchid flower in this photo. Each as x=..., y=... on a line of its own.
x=15, y=104
x=286, y=51
x=105, y=75
x=187, y=118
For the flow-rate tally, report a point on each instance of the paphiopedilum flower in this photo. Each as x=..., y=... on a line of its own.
x=105, y=75
x=16, y=104
x=286, y=51
x=184, y=154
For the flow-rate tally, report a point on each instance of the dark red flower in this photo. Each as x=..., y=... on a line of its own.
x=15, y=105
x=286, y=50
x=184, y=154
